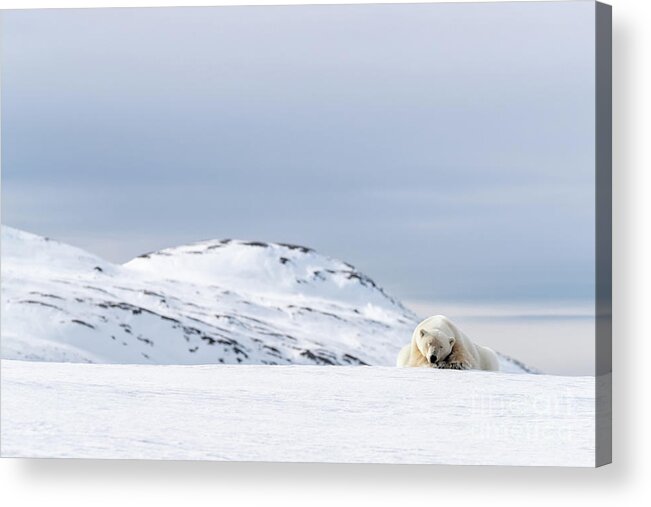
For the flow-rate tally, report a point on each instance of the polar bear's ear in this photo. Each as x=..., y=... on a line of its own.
x=422, y=333
x=452, y=340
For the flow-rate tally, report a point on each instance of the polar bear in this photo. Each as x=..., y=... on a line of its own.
x=438, y=343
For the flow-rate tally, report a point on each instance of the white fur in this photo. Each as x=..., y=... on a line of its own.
x=438, y=337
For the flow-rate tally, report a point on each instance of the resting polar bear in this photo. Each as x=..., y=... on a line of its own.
x=438, y=343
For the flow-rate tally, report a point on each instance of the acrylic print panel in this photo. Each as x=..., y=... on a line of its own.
x=312, y=233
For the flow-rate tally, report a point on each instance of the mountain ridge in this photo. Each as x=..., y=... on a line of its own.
x=209, y=302
x=242, y=302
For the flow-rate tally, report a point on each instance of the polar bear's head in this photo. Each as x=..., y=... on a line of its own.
x=434, y=341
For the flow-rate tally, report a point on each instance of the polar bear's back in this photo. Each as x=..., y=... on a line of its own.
x=487, y=358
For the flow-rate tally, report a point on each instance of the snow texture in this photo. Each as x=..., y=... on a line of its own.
x=296, y=413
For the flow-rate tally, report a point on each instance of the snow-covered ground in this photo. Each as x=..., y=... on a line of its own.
x=296, y=413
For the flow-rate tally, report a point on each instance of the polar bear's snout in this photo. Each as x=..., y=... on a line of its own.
x=435, y=346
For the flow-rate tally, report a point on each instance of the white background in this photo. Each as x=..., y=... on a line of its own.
x=627, y=481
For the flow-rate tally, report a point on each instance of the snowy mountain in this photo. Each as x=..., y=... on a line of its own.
x=227, y=301
x=212, y=302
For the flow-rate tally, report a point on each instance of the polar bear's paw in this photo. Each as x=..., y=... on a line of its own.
x=455, y=365
x=457, y=360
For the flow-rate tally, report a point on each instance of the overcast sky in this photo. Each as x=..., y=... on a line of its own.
x=445, y=150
